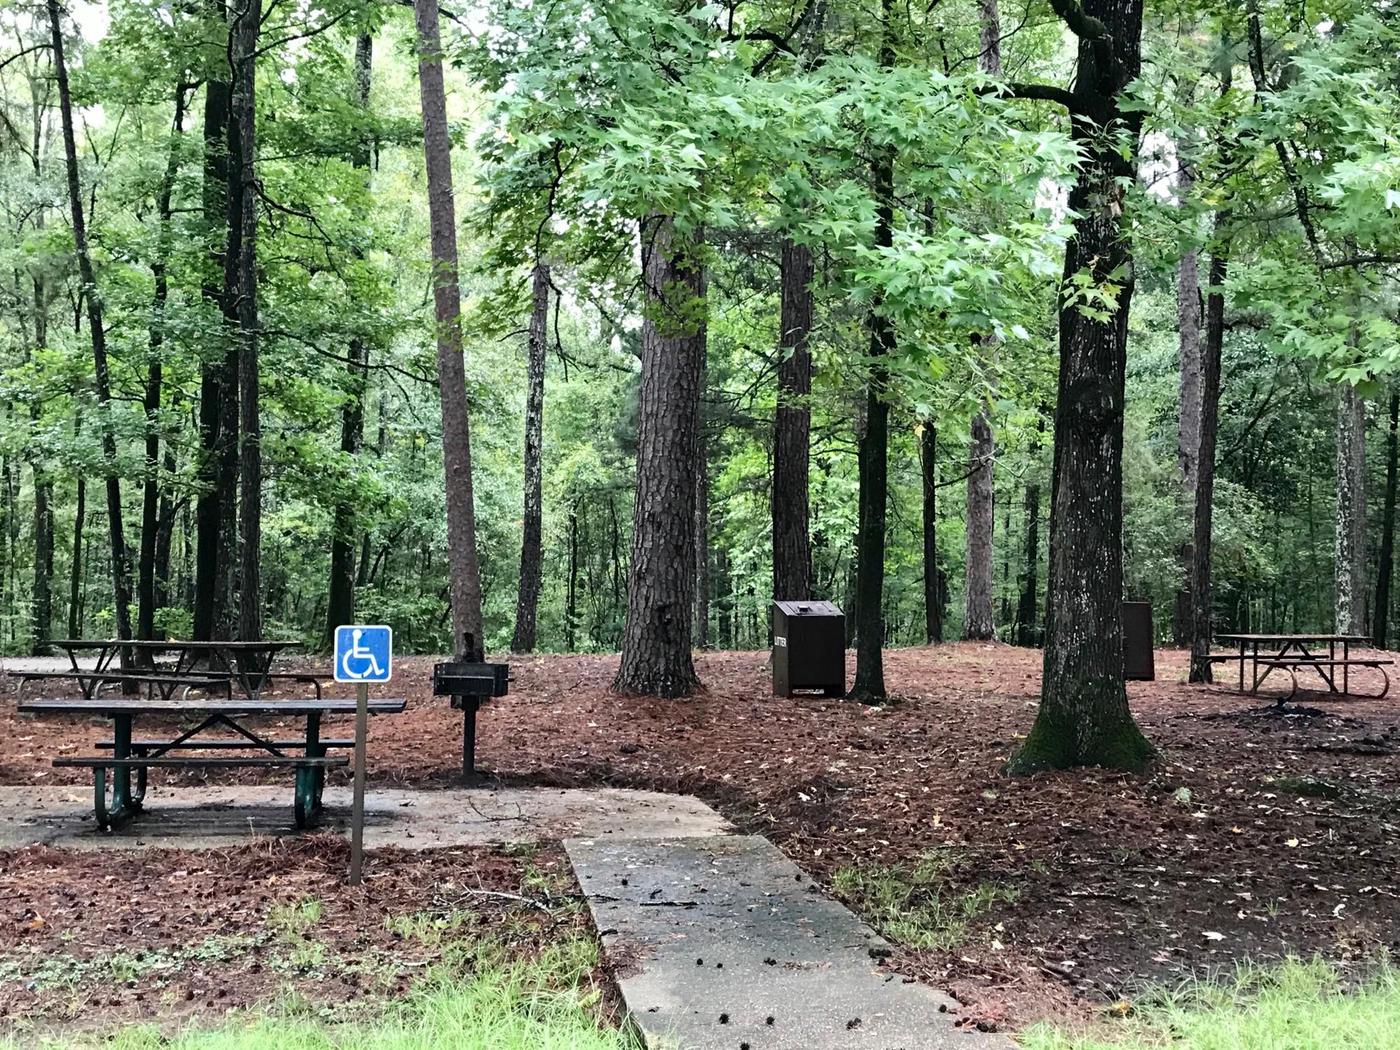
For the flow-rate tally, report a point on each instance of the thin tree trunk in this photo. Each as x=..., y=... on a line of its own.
x=873, y=452
x=1083, y=718
x=75, y=576
x=701, y=623
x=656, y=653
x=121, y=577
x=1350, y=537
x=464, y=573
x=214, y=503
x=933, y=603
x=340, y=595
x=243, y=150
x=1385, y=563
x=792, y=552
x=41, y=604
x=531, y=554
x=1026, y=619
x=979, y=621
x=1188, y=443
x=150, y=495
x=571, y=599
x=1201, y=600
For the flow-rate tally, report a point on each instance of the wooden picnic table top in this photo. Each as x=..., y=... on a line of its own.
x=1321, y=637
x=134, y=706
x=170, y=645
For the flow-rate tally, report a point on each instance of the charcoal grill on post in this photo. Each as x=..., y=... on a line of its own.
x=470, y=683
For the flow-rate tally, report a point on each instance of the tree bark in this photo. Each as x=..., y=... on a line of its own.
x=1027, y=633
x=792, y=549
x=340, y=598
x=656, y=654
x=1386, y=561
x=1083, y=718
x=214, y=504
x=571, y=598
x=1201, y=601
x=464, y=572
x=1188, y=441
x=531, y=553
x=1350, y=537
x=75, y=576
x=873, y=453
x=933, y=591
x=121, y=575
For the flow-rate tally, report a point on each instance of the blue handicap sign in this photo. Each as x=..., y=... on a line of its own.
x=363, y=652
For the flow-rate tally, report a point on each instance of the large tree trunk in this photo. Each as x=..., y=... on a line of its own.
x=792, y=549
x=656, y=654
x=531, y=555
x=1188, y=431
x=933, y=590
x=150, y=495
x=872, y=456
x=1350, y=539
x=1201, y=622
x=464, y=573
x=1385, y=563
x=979, y=621
x=243, y=149
x=1083, y=717
x=340, y=598
x=214, y=505
x=121, y=576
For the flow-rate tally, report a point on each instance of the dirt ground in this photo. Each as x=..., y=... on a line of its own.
x=1259, y=833
x=88, y=938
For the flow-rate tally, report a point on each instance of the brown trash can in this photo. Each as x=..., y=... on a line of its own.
x=809, y=649
x=1138, y=664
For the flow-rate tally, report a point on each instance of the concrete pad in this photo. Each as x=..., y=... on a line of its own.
x=179, y=817
x=710, y=938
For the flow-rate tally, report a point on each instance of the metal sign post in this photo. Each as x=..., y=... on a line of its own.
x=364, y=653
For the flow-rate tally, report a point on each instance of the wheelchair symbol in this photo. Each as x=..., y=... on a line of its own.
x=360, y=659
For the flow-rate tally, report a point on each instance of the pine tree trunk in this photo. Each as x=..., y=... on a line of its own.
x=1385, y=563
x=464, y=572
x=1083, y=718
x=340, y=598
x=1188, y=443
x=214, y=504
x=873, y=452
x=656, y=654
x=531, y=554
x=121, y=576
x=933, y=593
x=1350, y=537
x=792, y=552
x=1201, y=601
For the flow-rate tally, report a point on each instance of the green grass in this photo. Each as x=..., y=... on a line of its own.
x=915, y=905
x=1298, y=1006
x=549, y=1003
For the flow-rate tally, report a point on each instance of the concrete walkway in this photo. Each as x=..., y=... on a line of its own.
x=212, y=817
x=722, y=943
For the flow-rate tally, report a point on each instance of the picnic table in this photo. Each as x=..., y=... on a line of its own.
x=215, y=664
x=1266, y=653
x=188, y=748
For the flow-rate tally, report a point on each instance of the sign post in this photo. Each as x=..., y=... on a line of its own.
x=364, y=653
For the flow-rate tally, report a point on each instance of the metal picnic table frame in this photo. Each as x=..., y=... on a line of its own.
x=246, y=663
x=126, y=801
x=1293, y=649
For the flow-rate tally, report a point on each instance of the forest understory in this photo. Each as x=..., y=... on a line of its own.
x=1258, y=834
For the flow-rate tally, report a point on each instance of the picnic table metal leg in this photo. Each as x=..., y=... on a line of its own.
x=124, y=803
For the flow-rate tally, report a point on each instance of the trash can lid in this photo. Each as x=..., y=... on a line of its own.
x=808, y=608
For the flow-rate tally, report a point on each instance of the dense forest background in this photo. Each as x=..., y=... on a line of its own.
x=769, y=145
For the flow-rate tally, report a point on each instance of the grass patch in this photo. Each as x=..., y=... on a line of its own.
x=916, y=905
x=548, y=1003
x=1297, y=1006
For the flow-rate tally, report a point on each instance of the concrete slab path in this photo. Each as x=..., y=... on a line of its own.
x=211, y=817
x=722, y=943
